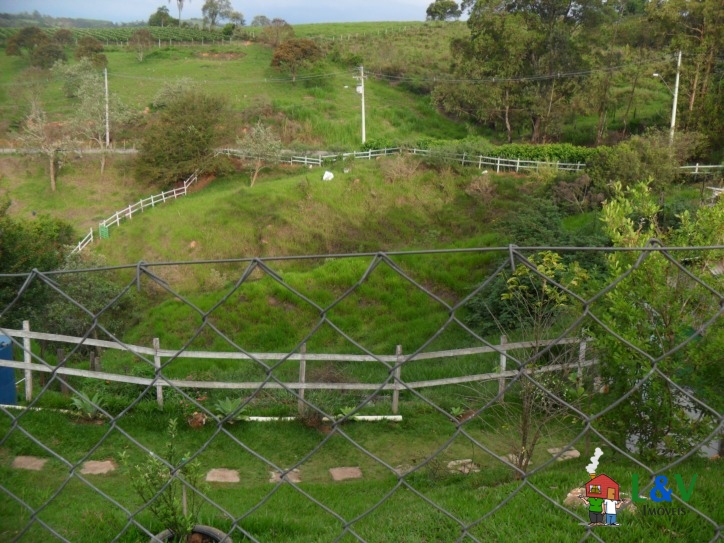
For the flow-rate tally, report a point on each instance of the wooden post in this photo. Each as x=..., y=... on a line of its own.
x=397, y=372
x=302, y=378
x=581, y=360
x=503, y=361
x=157, y=365
x=60, y=359
x=28, y=360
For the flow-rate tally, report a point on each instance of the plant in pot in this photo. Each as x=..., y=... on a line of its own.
x=167, y=486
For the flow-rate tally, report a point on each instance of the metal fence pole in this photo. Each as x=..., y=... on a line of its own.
x=302, y=378
x=27, y=359
x=397, y=372
x=157, y=366
x=503, y=362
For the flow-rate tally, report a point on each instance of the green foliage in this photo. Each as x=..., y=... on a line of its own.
x=25, y=245
x=656, y=308
x=442, y=10
x=277, y=31
x=46, y=55
x=263, y=147
x=92, y=49
x=88, y=408
x=180, y=139
x=294, y=54
x=24, y=41
x=549, y=152
x=162, y=18
x=643, y=157
x=230, y=410
x=175, y=477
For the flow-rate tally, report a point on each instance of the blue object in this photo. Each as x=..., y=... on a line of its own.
x=8, y=393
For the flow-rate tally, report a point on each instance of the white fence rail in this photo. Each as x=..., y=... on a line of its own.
x=397, y=360
x=151, y=201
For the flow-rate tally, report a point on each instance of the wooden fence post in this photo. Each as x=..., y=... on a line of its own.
x=503, y=362
x=27, y=359
x=302, y=378
x=397, y=372
x=157, y=365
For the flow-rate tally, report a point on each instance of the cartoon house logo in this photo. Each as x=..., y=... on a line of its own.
x=602, y=495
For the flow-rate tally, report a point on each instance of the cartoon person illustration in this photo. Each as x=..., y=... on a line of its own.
x=595, y=510
x=610, y=504
x=599, y=490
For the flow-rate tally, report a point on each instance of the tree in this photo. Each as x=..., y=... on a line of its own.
x=141, y=41
x=260, y=20
x=180, y=6
x=550, y=31
x=276, y=32
x=180, y=138
x=92, y=49
x=25, y=245
x=295, y=54
x=215, y=10
x=162, y=18
x=665, y=300
x=442, y=10
x=23, y=42
x=536, y=310
x=46, y=54
x=51, y=139
x=91, y=119
x=237, y=18
x=63, y=36
x=262, y=145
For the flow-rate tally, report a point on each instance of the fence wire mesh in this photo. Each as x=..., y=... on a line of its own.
x=490, y=399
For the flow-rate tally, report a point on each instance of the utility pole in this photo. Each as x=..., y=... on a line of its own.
x=108, y=134
x=676, y=97
x=361, y=91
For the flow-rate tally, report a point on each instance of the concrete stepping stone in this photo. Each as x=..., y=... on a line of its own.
x=341, y=474
x=29, y=462
x=222, y=475
x=570, y=453
x=463, y=466
x=292, y=476
x=95, y=467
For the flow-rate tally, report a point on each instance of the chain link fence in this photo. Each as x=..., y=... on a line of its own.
x=487, y=394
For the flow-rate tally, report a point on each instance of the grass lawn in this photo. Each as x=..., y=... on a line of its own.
x=428, y=502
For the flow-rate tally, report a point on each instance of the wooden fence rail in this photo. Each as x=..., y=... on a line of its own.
x=397, y=361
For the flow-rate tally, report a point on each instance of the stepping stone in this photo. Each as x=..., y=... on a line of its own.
x=221, y=475
x=94, y=467
x=292, y=477
x=570, y=453
x=29, y=462
x=340, y=474
x=463, y=466
x=403, y=469
x=513, y=459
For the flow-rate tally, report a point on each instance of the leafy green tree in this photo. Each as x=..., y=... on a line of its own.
x=25, y=245
x=162, y=18
x=180, y=139
x=216, y=10
x=23, y=42
x=551, y=34
x=260, y=20
x=295, y=54
x=92, y=49
x=141, y=41
x=655, y=309
x=73, y=75
x=263, y=147
x=277, y=31
x=442, y=10
x=46, y=54
x=63, y=36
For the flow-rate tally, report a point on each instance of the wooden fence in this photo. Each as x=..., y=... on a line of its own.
x=151, y=201
x=396, y=361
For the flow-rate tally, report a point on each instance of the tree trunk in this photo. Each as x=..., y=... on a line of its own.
x=536, y=124
x=52, y=172
x=508, y=129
